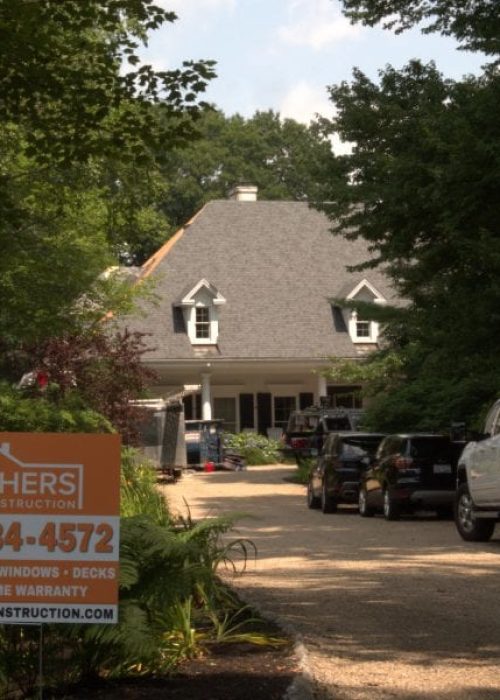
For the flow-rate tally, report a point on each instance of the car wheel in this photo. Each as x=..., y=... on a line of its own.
x=391, y=508
x=328, y=505
x=312, y=500
x=469, y=527
x=365, y=510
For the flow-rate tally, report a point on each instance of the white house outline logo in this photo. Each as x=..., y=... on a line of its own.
x=38, y=470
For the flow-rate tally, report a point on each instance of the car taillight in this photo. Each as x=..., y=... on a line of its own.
x=298, y=443
x=403, y=463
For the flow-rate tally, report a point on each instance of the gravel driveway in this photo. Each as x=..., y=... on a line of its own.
x=384, y=609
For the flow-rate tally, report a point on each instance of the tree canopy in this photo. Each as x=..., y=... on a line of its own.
x=286, y=159
x=61, y=77
x=80, y=137
x=476, y=23
x=421, y=187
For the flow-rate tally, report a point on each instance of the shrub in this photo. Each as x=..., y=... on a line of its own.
x=254, y=448
x=171, y=599
x=138, y=492
x=105, y=367
x=22, y=413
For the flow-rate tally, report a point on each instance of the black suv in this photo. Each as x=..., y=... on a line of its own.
x=410, y=471
x=335, y=477
x=306, y=429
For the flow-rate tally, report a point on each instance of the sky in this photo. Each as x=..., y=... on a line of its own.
x=282, y=54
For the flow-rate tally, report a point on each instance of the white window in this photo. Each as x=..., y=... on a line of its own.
x=283, y=406
x=202, y=323
x=363, y=329
x=200, y=307
x=360, y=330
x=345, y=396
x=225, y=408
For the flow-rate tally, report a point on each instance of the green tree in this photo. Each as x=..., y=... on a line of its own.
x=420, y=187
x=475, y=24
x=61, y=77
x=79, y=179
x=286, y=159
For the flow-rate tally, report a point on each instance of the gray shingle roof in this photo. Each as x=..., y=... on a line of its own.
x=277, y=265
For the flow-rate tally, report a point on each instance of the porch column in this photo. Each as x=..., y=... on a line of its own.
x=321, y=387
x=206, y=403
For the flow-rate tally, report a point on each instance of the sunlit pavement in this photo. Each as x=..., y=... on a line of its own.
x=385, y=609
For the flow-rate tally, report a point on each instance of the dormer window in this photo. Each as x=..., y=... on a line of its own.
x=202, y=323
x=361, y=330
x=201, y=316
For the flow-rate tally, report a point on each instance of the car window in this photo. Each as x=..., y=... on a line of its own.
x=303, y=424
x=363, y=443
x=430, y=448
x=492, y=423
x=495, y=423
x=352, y=450
x=337, y=423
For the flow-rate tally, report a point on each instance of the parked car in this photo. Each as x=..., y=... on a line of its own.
x=335, y=477
x=306, y=429
x=477, y=500
x=410, y=471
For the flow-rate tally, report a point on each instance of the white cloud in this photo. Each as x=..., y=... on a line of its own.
x=315, y=23
x=304, y=102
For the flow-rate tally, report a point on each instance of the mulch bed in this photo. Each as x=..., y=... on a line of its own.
x=230, y=671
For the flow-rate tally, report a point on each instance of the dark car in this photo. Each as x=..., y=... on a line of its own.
x=410, y=471
x=306, y=429
x=335, y=477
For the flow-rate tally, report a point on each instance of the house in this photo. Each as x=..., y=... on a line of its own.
x=245, y=319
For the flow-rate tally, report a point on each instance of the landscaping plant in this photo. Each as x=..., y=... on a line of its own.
x=172, y=602
x=254, y=448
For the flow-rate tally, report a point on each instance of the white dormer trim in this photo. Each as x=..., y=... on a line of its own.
x=360, y=330
x=378, y=298
x=189, y=299
x=201, y=316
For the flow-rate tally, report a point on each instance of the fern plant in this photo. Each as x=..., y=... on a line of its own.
x=171, y=597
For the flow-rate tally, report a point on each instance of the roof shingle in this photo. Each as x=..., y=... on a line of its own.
x=276, y=264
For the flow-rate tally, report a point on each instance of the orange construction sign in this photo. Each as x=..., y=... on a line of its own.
x=59, y=528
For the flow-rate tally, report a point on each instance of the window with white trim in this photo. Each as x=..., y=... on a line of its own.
x=225, y=408
x=200, y=307
x=345, y=396
x=283, y=406
x=363, y=329
x=202, y=322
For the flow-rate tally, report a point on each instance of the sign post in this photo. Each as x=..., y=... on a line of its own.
x=59, y=528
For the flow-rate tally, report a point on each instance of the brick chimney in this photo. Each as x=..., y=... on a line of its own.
x=244, y=192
